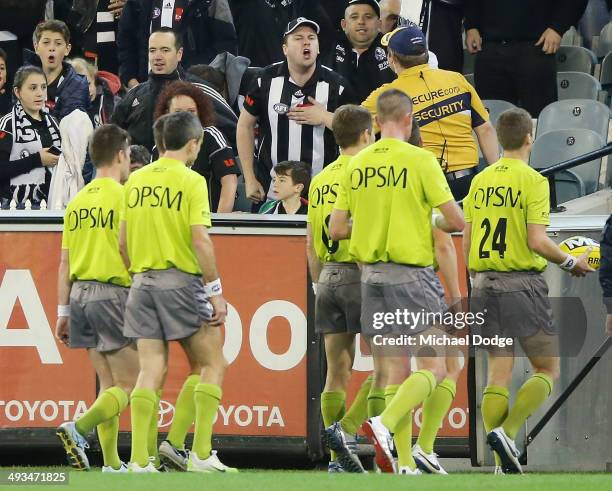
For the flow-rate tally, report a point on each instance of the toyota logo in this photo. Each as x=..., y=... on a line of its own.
x=166, y=414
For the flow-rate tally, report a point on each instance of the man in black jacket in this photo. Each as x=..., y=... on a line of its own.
x=205, y=25
x=358, y=55
x=605, y=272
x=516, y=42
x=135, y=111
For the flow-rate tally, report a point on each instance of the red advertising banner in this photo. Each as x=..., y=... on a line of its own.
x=264, y=277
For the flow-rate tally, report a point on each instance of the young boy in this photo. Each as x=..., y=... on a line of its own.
x=66, y=90
x=290, y=182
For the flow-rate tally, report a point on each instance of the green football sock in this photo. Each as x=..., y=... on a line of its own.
x=403, y=431
x=143, y=406
x=376, y=401
x=358, y=412
x=494, y=409
x=207, y=398
x=413, y=391
x=108, y=431
x=332, y=409
x=435, y=408
x=184, y=413
x=530, y=397
x=108, y=404
x=153, y=431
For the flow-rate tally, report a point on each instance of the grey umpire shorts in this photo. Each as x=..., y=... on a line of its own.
x=515, y=305
x=388, y=288
x=96, y=316
x=167, y=305
x=338, y=299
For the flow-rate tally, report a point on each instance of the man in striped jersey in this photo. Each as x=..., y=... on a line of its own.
x=135, y=111
x=293, y=101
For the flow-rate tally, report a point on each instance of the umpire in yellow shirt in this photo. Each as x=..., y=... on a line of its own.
x=446, y=107
x=506, y=248
x=93, y=285
x=176, y=292
x=389, y=190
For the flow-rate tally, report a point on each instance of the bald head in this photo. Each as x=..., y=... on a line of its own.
x=389, y=14
x=393, y=106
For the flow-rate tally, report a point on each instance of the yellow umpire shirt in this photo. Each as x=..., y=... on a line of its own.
x=390, y=188
x=321, y=199
x=91, y=233
x=446, y=107
x=503, y=199
x=162, y=201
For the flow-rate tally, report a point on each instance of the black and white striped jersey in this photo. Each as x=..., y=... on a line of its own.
x=270, y=98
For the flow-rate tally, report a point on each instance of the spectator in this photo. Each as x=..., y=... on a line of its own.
x=216, y=160
x=358, y=56
x=289, y=185
x=66, y=90
x=135, y=111
x=390, y=14
x=207, y=26
x=26, y=135
x=605, y=272
x=293, y=102
x=516, y=42
x=139, y=157
x=446, y=107
x=100, y=94
x=5, y=90
x=442, y=23
x=98, y=24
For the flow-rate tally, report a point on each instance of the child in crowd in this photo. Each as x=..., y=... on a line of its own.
x=66, y=89
x=289, y=184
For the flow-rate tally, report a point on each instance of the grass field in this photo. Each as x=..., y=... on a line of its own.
x=318, y=480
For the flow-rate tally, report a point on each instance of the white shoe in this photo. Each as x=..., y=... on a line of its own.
x=506, y=449
x=407, y=471
x=211, y=464
x=172, y=456
x=383, y=443
x=122, y=468
x=427, y=462
x=498, y=471
x=74, y=444
x=134, y=467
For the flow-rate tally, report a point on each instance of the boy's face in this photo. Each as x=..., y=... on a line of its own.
x=52, y=49
x=284, y=188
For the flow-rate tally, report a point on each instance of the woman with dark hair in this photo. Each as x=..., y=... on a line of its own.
x=27, y=134
x=216, y=161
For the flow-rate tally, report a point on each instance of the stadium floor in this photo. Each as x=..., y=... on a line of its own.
x=315, y=480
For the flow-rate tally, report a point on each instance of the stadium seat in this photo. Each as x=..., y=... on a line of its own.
x=575, y=113
x=569, y=186
x=571, y=38
x=577, y=85
x=575, y=59
x=496, y=107
x=605, y=41
x=605, y=75
x=559, y=146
